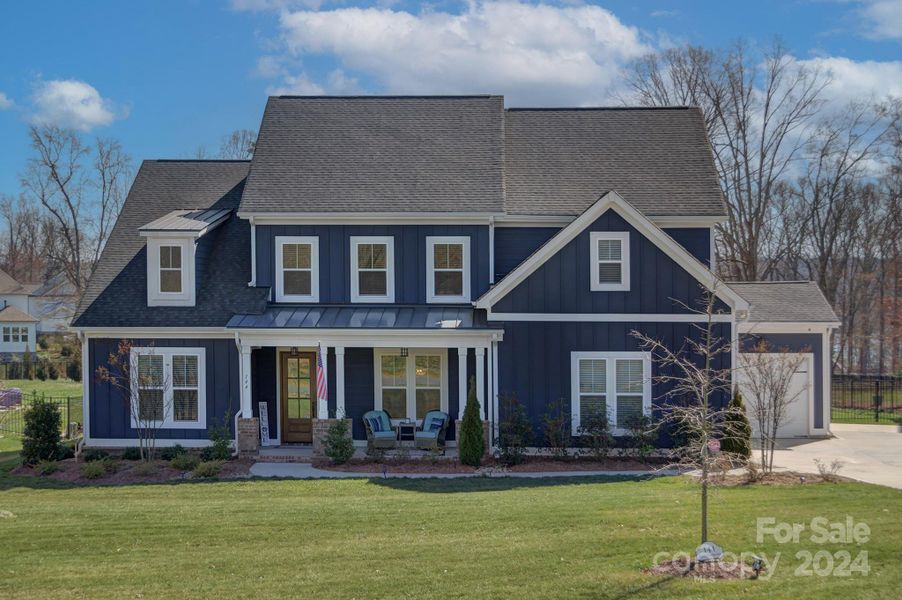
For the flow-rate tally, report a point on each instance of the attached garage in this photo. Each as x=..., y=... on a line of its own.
x=793, y=317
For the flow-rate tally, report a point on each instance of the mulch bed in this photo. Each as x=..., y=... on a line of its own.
x=705, y=570
x=778, y=478
x=130, y=472
x=449, y=466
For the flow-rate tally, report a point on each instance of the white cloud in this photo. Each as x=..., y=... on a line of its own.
x=856, y=80
x=5, y=101
x=534, y=54
x=882, y=19
x=72, y=103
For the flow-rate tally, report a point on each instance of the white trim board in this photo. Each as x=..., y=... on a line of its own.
x=373, y=218
x=607, y=317
x=641, y=223
x=780, y=327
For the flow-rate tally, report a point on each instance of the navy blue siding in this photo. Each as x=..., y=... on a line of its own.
x=410, y=257
x=797, y=342
x=109, y=414
x=263, y=386
x=561, y=284
x=697, y=240
x=534, y=358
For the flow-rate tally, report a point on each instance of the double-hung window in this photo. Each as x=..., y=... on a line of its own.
x=448, y=269
x=168, y=388
x=170, y=271
x=614, y=384
x=372, y=269
x=15, y=334
x=297, y=269
x=609, y=261
x=407, y=387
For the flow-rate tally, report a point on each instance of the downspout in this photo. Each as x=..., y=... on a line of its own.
x=241, y=380
x=85, y=412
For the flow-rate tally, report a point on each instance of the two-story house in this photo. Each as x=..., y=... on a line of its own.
x=422, y=242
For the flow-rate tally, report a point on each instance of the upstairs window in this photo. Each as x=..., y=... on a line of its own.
x=168, y=388
x=614, y=384
x=297, y=269
x=372, y=269
x=448, y=269
x=171, y=269
x=609, y=262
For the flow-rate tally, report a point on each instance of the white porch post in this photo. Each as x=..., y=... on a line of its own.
x=461, y=381
x=480, y=380
x=339, y=382
x=322, y=406
x=247, y=409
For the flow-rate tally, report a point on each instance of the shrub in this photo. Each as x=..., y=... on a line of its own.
x=829, y=471
x=471, y=446
x=93, y=470
x=40, y=371
x=41, y=435
x=95, y=455
x=145, y=469
x=338, y=444
x=556, y=428
x=43, y=344
x=208, y=469
x=46, y=467
x=221, y=448
x=184, y=462
x=73, y=370
x=169, y=453
x=514, y=431
x=640, y=435
x=737, y=438
x=53, y=371
x=133, y=453
x=65, y=451
x=65, y=350
x=595, y=431
x=27, y=366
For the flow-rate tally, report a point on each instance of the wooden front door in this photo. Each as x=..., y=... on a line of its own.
x=298, y=393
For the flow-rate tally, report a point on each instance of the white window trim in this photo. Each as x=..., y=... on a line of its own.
x=389, y=242
x=168, y=421
x=611, y=387
x=431, y=241
x=594, y=284
x=280, y=241
x=155, y=297
x=442, y=353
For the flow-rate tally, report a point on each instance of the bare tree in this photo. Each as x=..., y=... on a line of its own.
x=238, y=145
x=767, y=378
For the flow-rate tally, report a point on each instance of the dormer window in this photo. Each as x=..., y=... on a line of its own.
x=447, y=269
x=609, y=261
x=170, y=271
x=372, y=269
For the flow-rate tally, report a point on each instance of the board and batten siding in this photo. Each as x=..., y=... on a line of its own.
x=109, y=410
x=561, y=284
x=534, y=359
x=410, y=257
x=796, y=342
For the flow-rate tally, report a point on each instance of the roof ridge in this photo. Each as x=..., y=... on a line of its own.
x=591, y=108
x=772, y=281
x=195, y=160
x=389, y=97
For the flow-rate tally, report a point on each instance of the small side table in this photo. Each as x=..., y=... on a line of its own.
x=406, y=431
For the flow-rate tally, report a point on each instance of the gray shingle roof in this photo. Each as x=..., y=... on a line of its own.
x=117, y=293
x=378, y=154
x=364, y=317
x=785, y=301
x=560, y=161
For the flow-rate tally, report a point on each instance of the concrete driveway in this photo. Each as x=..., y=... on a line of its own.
x=871, y=453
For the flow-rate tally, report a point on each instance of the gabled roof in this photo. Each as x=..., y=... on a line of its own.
x=612, y=201
x=11, y=314
x=117, y=292
x=559, y=161
x=57, y=285
x=785, y=302
x=8, y=285
x=378, y=154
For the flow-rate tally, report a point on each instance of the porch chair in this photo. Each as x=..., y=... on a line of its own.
x=431, y=435
x=379, y=432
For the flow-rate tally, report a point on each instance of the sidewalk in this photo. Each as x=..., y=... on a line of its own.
x=308, y=471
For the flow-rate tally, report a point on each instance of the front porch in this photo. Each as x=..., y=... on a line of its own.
x=405, y=372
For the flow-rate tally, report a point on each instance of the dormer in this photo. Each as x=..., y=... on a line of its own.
x=172, y=242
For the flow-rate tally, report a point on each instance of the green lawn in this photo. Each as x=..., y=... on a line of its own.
x=482, y=538
x=58, y=389
x=865, y=417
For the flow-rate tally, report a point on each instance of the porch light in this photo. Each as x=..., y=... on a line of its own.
x=404, y=352
x=294, y=351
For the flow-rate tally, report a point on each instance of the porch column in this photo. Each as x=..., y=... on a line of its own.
x=340, y=382
x=247, y=409
x=322, y=406
x=461, y=381
x=480, y=380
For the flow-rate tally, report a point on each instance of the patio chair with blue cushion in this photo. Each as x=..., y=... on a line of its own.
x=379, y=432
x=431, y=435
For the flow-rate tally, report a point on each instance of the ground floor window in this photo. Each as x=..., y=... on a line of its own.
x=168, y=387
x=616, y=384
x=410, y=384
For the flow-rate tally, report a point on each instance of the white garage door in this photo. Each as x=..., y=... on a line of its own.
x=801, y=390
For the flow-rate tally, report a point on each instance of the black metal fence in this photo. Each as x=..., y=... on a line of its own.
x=867, y=399
x=13, y=407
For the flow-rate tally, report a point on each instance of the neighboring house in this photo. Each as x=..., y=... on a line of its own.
x=50, y=304
x=17, y=331
x=422, y=242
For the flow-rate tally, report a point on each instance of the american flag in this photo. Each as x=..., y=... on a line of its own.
x=321, y=393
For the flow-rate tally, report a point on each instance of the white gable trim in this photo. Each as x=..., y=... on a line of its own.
x=643, y=225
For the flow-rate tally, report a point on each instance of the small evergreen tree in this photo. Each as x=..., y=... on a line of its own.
x=337, y=444
x=53, y=371
x=514, y=430
x=472, y=444
x=27, y=365
x=40, y=371
x=737, y=429
x=41, y=435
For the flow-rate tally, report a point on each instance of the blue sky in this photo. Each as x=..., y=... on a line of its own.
x=165, y=77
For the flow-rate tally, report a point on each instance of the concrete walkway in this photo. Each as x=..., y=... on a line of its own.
x=870, y=453
x=308, y=471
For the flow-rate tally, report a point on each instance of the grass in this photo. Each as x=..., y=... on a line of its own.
x=476, y=538
x=59, y=388
x=865, y=417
